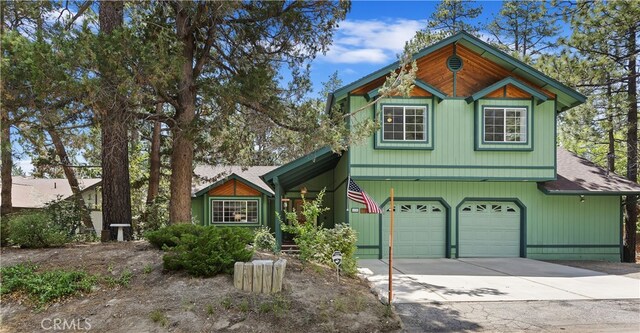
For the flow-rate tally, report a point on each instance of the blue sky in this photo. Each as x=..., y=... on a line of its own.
x=373, y=33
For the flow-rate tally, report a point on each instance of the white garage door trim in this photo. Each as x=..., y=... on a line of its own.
x=504, y=217
x=436, y=215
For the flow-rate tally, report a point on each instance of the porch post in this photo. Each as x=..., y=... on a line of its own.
x=276, y=224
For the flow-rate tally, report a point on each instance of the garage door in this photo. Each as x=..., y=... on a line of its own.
x=489, y=229
x=419, y=230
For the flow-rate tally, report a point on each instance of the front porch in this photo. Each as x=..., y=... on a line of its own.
x=307, y=176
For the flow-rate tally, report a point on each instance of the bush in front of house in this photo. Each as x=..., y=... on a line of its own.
x=343, y=238
x=263, y=240
x=317, y=243
x=36, y=230
x=168, y=237
x=213, y=250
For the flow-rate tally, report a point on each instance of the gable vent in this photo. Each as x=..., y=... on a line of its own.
x=454, y=63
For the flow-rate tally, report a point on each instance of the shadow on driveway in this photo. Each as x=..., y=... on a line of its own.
x=431, y=318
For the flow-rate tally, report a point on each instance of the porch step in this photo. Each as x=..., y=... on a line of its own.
x=290, y=249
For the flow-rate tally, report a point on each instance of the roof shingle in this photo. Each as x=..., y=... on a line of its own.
x=580, y=176
x=37, y=192
x=205, y=175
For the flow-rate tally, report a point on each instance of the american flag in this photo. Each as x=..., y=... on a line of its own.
x=355, y=193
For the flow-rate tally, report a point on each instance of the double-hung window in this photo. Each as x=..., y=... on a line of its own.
x=234, y=211
x=404, y=123
x=504, y=124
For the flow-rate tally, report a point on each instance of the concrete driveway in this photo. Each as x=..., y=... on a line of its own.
x=493, y=279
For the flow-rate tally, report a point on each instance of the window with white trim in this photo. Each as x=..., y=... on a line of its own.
x=404, y=123
x=505, y=124
x=234, y=211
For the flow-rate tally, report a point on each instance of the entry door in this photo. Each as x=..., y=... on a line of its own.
x=419, y=230
x=489, y=229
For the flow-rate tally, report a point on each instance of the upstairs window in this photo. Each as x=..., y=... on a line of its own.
x=505, y=124
x=404, y=123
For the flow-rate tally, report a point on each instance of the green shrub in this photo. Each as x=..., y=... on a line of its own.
x=4, y=232
x=214, y=250
x=317, y=243
x=66, y=215
x=343, y=238
x=36, y=230
x=46, y=286
x=154, y=217
x=263, y=240
x=170, y=236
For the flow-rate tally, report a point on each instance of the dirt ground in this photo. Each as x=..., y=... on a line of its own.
x=159, y=301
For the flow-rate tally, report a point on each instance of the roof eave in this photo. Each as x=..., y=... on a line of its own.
x=584, y=192
x=269, y=176
x=230, y=177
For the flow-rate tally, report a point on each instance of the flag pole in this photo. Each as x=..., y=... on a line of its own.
x=391, y=250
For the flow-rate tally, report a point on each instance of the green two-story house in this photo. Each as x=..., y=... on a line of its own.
x=473, y=159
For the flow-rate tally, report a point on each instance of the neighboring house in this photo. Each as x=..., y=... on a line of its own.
x=472, y=156
x=35, y=193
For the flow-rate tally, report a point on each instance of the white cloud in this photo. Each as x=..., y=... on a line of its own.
x=371, y=41
x=345, y=55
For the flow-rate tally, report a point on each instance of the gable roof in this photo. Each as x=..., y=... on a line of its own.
x=302, y=169
x=27, y=192
x=577, y=175
x=506, y=81
x=207, y=177
x=566, y=97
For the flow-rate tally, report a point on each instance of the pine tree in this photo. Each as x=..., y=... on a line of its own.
x=605, y=34
x=524, y=27
x=450, y=17
x=228, y=58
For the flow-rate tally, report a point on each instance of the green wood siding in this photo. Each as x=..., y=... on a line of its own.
x=197, y=205
x=557, y=227
x=454, y=156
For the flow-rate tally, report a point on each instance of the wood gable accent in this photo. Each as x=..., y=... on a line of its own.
x=509, y=91
x=234, y=187
x=476, y=73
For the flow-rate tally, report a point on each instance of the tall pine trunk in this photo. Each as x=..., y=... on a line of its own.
x=116, y=196
x=5, y=149
x=629, y=254
x=7, y=162
x=71, y=178
x=154, y=163
x=183, y=146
